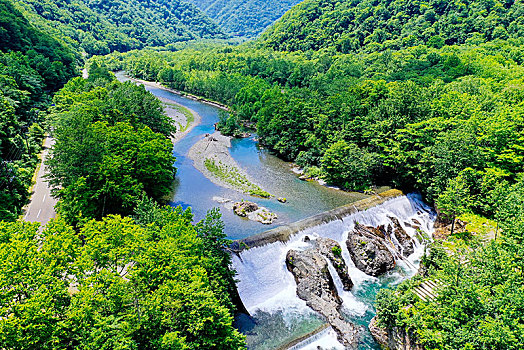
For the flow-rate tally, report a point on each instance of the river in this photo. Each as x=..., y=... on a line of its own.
x=192, y=189
x=267, y=289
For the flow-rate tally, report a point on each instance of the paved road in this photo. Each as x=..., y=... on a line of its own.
x=42, y=206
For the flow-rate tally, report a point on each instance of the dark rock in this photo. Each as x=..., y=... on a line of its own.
x=282, y=200
x=332, y=250
x=404, y=239
x=315, y=286
x=244, y=208
x=368, y=250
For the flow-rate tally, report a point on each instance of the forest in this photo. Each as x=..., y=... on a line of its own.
x=101, y=27
x=370, y=26
x=480, y=306
x=244, y=18
x=115, y=269
x=422, y=96
x=32, y=66
x=435, y=105
x=414, y=119
x=151, y=281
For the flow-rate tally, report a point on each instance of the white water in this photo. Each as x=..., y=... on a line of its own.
x=265, y=283
x=326, y=339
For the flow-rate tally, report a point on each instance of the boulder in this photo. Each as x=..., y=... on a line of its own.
x=282, y=199
x=244, y=208
x=332, y=250
x=253, y=212
x=315, y=286
x=369, y=251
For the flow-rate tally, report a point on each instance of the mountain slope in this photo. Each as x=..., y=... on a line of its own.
x=102, y=26
x=32, y=64
x=245, y=18
x=385, y=24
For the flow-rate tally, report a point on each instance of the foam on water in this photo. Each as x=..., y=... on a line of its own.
x=327, y=339
x=266, y=284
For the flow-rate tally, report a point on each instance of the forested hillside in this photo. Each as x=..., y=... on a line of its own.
x=370, y=26
x=244, y=18
x=100, y=27
x=32, y=66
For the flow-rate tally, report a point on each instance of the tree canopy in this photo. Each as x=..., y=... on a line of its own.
x=370, y=25
x=100, y=27
x=112, y=146
x=33, y=65
x=244, y=18
x=117, y=284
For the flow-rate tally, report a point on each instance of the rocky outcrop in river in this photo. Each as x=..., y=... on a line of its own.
x=368, y=250
x=332, y=250
x=406, y=244
x=253, y=212
x=315, y=286
x=374, y=249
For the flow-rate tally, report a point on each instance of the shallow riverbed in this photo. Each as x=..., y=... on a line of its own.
x=192, y=189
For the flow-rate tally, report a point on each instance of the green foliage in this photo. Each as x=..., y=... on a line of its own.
x=478, y=303
x=100, y=27
x=366, y=25
x=454, y=200
x=414, y=118
x=117, y=284
x=244, y=18
x=337, y=251
x=228, y=123
x=32, y=66
x=348, y=166
x=111, y=146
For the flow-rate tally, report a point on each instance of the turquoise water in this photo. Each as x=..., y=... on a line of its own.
x=192, y=189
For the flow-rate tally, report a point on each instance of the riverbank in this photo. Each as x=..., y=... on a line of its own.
x=212, y=158
x=180, y=116
x=181, y=93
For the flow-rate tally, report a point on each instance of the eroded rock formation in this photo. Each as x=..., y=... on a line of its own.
x=332, y=250
x=368, y=250
x=315, y=286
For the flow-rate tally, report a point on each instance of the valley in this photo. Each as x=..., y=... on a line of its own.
x=281, y=175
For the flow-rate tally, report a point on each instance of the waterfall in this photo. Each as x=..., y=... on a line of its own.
x=349, y=302
x=326, y=338
x=265, y=284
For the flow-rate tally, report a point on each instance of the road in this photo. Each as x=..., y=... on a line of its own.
x=41, y=208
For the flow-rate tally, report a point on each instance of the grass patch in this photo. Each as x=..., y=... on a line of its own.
x=482, y=227
x=233, y=177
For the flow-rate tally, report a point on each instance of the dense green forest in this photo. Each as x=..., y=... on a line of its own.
x=371, y=25
x=152, y=282
x=32, y=66
x=100, y=27
x=112, y=147
x=434, y=105
x=423, y=96
x=244, y=18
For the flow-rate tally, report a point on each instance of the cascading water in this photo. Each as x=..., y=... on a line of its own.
x=268, y=289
